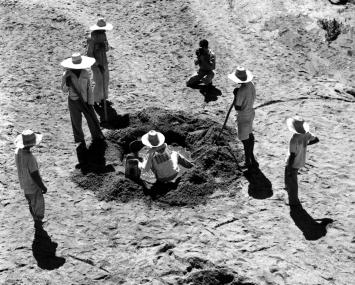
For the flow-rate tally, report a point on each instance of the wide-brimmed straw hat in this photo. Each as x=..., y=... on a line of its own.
x=101, y=25
x=241, y=75
x=297, y=125
x=78, y=61
x=28, y=138
x=153, y=139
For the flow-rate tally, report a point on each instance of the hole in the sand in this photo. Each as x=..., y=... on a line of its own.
x=182, y=132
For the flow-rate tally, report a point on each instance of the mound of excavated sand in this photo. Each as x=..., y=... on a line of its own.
x=216, y=165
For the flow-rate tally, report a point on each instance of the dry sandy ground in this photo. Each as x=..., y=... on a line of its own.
x=243, y=235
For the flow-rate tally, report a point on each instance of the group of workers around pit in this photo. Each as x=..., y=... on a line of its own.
x=163, y=161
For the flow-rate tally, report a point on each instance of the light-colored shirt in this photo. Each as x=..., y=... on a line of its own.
x=298, y=145
x=82, y=84
x=246, y=97
x=26, y=163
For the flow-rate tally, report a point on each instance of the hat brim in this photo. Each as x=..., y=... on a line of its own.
x=291, y=127
x=146, y=142
x=237, y=80
x=19, y=142
x=108, y=27
x=86, y=62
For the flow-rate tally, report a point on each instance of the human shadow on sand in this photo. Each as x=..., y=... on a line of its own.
x=92, y=159
x=312, y=229
x=210, y=93
x=44, y=251
x=260, y=186
x=114, y=120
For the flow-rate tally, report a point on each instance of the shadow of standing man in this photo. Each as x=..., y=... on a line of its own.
x=312, y=230
x=44, y=251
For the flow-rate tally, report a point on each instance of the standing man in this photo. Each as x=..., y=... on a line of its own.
x=29, y=177
x=76, y=82
x=296, y=157
x=206, y=60
x=244, y=98
x=97, y=48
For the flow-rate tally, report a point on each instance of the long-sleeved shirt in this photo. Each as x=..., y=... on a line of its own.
x=207, y=61
x=82, y=84
x=94, y=49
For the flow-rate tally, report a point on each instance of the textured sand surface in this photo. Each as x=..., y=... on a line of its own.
x=239, y=234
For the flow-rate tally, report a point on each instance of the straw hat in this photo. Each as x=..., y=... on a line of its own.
x=27, y=138
x=101, y=25
x=297, y=125
x=241, y=75
x=153, y=139
x=78, y=61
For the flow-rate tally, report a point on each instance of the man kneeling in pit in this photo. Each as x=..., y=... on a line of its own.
x=160, y=159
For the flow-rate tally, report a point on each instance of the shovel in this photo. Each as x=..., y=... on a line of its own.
x=225, y=121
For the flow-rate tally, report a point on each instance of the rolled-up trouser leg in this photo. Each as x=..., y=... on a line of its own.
x=75, y=109
x=36, y=204
x=291, y=185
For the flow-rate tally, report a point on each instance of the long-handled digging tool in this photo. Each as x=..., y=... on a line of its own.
x=225, y=122
x=102, y=70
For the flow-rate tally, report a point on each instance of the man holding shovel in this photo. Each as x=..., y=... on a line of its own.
x=97, y=48
x=244, y=98
x=76, y=81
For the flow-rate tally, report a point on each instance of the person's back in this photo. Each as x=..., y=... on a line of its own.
x=298, y=146
x=245, y=97
x=160, y=159
x=26, y=164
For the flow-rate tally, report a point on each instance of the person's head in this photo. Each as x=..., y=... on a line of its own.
x=204, y=44
x=78, y=61
x=27, y=139
x=153, y=139
x=101, y=25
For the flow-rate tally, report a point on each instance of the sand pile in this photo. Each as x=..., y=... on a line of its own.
x=216, y=165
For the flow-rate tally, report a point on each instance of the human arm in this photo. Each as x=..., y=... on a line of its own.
x=291, y=160
x=237, y=103
x=209, y=60
x=148, y=161
x=65, y=80
x=184, y=162
x=89, y=92
x=313, y=140
x=38, y=180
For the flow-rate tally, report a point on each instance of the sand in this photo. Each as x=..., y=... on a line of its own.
x=216, y=225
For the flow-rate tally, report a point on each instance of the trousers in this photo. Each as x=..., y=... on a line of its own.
x=76, y=110
x=36, y=205
x=291, y=185
x=205, y=76
x=99, y=83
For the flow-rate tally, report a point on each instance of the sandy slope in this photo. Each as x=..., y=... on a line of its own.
x=245, y=234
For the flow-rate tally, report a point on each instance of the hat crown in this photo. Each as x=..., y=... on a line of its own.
x=28, y=136
x=101, y=22
x=76, y=58
x=153, y=138
x=241, y=73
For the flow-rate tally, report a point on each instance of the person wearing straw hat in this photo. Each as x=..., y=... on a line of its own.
x=296, y=157
x=97, y=48
x=244, y=97
x=29, y=177
x=160, y=159
x=76, y=82
x=206, y=60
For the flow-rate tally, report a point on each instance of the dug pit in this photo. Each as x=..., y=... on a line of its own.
x=216, y=166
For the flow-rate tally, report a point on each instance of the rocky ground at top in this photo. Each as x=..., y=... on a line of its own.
x=239, y=234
